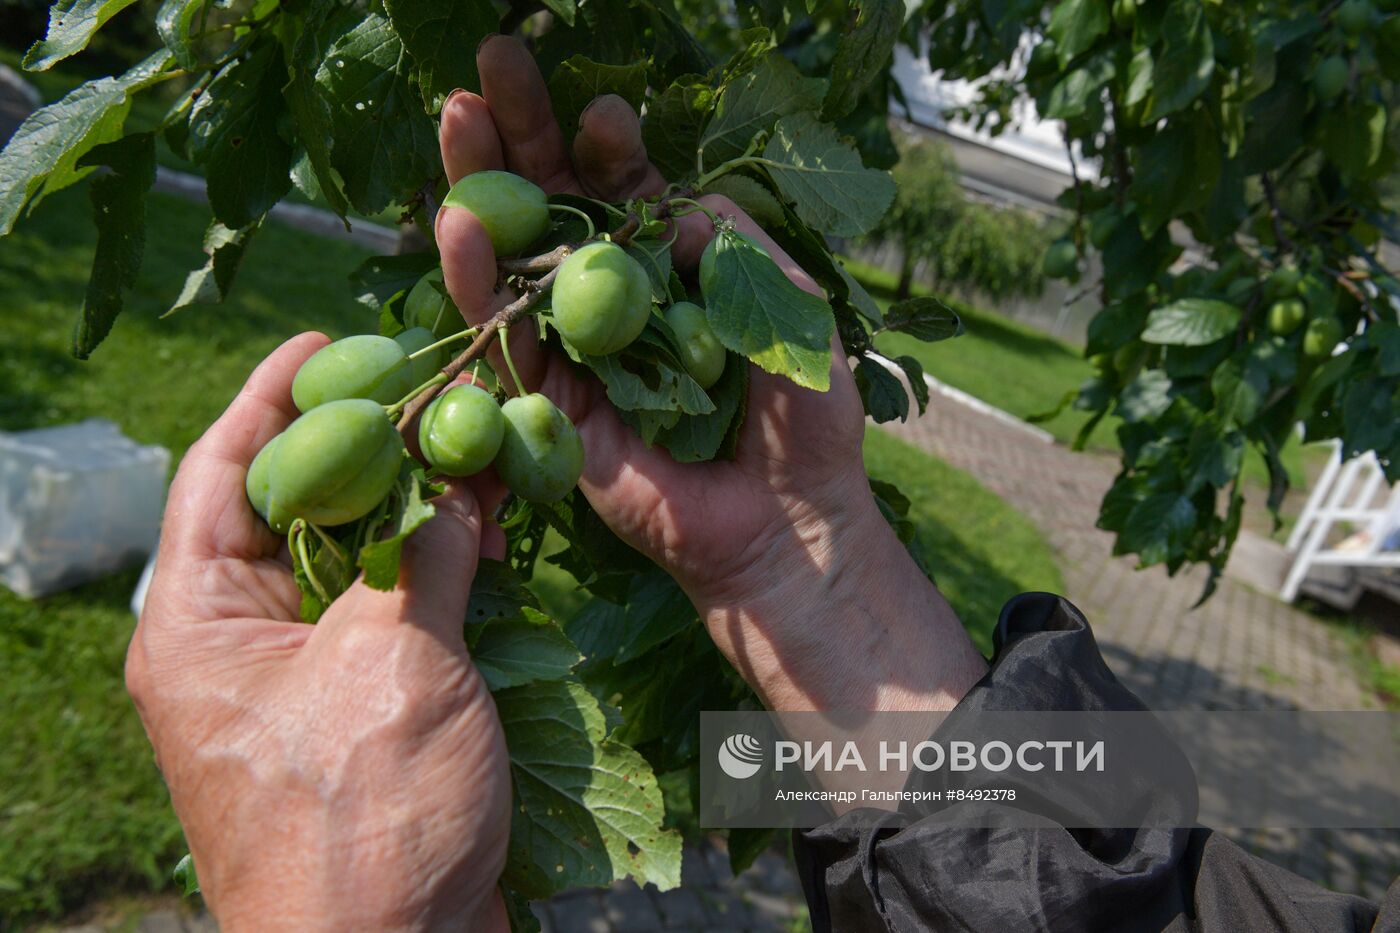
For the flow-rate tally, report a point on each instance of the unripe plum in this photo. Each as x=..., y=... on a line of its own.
x=1355, y=16
x=700, y=349
x=365, y=367
x=427, y=307
x=1286, y=316
x=601, y=299
x=1321, y=337
x=541, y=456
x=1061, y=260
x=1331, y=77
x=426, y=366
x=514, y=212
x=460, y=433
x=332, y=465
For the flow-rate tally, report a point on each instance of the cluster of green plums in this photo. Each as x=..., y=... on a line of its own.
x=341, y=458
x=1289, y=311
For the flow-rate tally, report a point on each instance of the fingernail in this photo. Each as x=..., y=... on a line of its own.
x=454, y=93
x=485, y=39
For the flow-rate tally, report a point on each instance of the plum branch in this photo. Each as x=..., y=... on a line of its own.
x=533, y=292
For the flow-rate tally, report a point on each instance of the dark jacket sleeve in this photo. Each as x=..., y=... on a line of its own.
x=906, y=874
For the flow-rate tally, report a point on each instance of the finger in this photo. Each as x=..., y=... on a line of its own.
x=435, y=576
x=695, y=231
x=609, y=155
x=469, y=270
x=208, y=514
x=467, y=137
x=519, y=102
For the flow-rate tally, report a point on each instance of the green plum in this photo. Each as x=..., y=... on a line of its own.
x=541, y=456
x=366, y=366
x=426, y=366
x=700, y=349
x=601, y=299
x=1331, y=77
x=514, y=212
x=1321, y=337
x=427, y=307
x=461, y=431
x=1061, y=260
x=1355, y=16
x=1286, y=316
x=332, y=465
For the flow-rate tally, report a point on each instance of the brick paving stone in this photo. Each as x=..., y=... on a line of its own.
x=630, y=910
x=579, y=914
x=681, y=909
x=161, y=921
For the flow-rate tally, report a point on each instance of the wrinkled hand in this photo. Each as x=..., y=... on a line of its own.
x=347, y=775
x=760, y=543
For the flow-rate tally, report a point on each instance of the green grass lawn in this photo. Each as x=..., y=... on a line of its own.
x=83, y=812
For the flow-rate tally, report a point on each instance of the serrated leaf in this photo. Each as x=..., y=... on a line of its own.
x=210, y=284
x=173, y=21
x=672, y=125
x=862, y=54
x=881, y=391
x=914, y=372
x=655, y=257
x=924, y=318
x=699, y=438
x=438, y=36
x=823, y=177
x=1191, y=322
x=234, y=132
x=576, y=83
x=586, y=810
x=751, y=196
x=498, y=593
x=1147, y=397
x=72, y=24
x=380, y=279
x=564, y=9
x=42, y=156
x=860, y=298
x=409, y=511
x=522, y=650
x=310, y=112
x=385, y=145
x=1157, y=528
x=757, y=312
x=119, y=208
x=752, y=103
x=668, y=388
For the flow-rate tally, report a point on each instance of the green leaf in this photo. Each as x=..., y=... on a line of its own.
x=1145, y=398
x=1158, y=528
x=578, y=82
x=751, y=196
x=698, y=438
x=824, y=178
x=1182, y=70
x=210, y=284
x=44, y=151
x=1191, y=322
x=184, y=876
x=173, y=21
x=752, y=103
x=1239, y=385
x=310, y=112
x=667, y=388
x=672, y=125
x=119, y=207
x=655, y=257
x=924, y=318
x=1161, y=188
x=881, y=391
x=1353, y=137
x=1076, y=25
x=522, y=650
x=656, y=610
x=437, y=35
x=72, y=24
x=498, y=593
x=756, y=311
x=586, y=809
x=862, y=54
x=234, y=132
x=1369, y=415
x=914, y=372
x=380, y=279
x=408, y=512
x=1072, y=95
x=385, y=145
x=745, y=845
x=860, y=298
x=564, y=9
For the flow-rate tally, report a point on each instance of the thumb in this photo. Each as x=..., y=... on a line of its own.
x=435, y=574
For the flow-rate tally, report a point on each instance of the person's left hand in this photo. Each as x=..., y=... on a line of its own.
x=347, y=775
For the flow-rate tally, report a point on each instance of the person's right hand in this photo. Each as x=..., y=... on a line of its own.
x=768, y=545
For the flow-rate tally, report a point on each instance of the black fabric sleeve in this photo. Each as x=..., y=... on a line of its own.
x=899, y=873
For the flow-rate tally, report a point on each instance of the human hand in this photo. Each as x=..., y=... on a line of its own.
x=347, y=775
x=782, y=549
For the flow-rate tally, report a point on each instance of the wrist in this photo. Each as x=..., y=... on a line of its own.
x=830, y=612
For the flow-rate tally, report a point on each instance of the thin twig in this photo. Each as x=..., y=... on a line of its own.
x=535, y=265
x=1276, y=214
